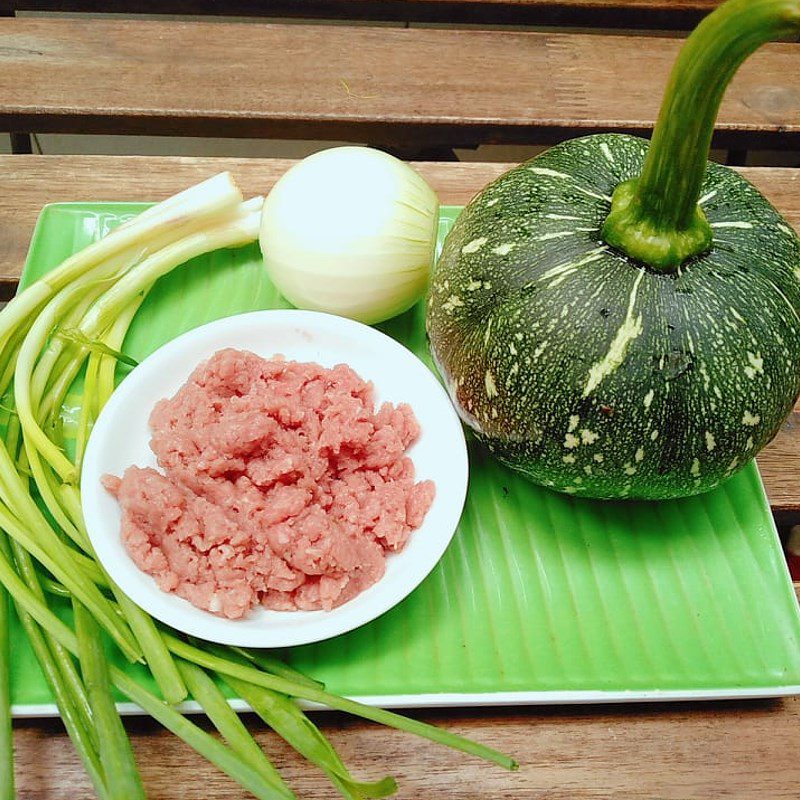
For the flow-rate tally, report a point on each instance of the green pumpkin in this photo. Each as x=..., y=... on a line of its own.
x=612, y=335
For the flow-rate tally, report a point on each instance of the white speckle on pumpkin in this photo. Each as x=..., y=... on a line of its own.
x=571, y=441
x=706, y=197
x=711, y=442
x=757, y=361
x=569, y=490
x=503, y=249
x=588, y=469
x=749, y=443
x=514, y=369
x=589, y=437
x=629, y=469
x=563, y=270
x=598, y=457
x=452, y=303
x=654, y=435
x=630, y=329
x=473, y=285
x=733, y=224
x=491, y=386
x=695, y=470
x=639, y=455
x=561, y=216
x=578, y=480
x=487, y=332
x=494, y=413
x=736, y=315
x=512, y=349
x=568, y=459
x=540, y=349
x=518, y=336
x=596, y=196
x=493, y=202
x=607, y=152
x=546, y=237
x=561, y=274
x=750, y=419
x=732, y=466
x=549, y=173
x=574, y=421
x=648, y=398
x=717, y=392
x=474, y=245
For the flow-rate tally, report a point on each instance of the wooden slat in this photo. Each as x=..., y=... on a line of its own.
x=382, y=85
x=29, y=182
x=714, y=751
x=606, y=13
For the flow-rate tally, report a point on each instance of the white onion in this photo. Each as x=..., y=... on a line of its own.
x=351, y=231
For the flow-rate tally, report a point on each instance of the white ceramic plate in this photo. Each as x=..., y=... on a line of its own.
x=121, y=438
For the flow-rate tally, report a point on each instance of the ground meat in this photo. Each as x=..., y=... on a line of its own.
x=282, y=485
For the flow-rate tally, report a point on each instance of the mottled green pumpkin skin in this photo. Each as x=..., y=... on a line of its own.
x=593, y=374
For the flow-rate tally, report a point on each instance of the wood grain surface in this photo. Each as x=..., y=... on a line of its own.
x=29, y=182
x=618, y=13
x=391, y=86
x=711, y=751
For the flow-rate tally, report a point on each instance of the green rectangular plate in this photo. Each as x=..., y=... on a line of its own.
x=541, y=597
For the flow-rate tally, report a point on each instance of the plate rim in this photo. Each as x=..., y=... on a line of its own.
x=451, y=476
x=477, y=699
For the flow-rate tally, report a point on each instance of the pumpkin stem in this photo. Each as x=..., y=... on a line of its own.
x=656, y=218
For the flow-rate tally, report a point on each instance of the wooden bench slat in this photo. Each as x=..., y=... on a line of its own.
x=391, y=86
x=605, y=13
x=29, y=182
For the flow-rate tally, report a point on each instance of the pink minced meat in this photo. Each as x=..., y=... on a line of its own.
x=281, y=486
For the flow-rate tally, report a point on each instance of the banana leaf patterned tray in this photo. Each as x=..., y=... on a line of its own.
x=541, y=597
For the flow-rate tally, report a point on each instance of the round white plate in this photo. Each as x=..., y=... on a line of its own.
x=121, y=437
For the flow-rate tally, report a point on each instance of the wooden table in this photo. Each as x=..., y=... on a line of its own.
x=408, y=89
x=640, y=752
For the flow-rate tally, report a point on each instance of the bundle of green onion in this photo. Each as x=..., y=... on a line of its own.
x=73, y=320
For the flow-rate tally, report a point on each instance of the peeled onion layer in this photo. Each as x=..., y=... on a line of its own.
x=351, y=231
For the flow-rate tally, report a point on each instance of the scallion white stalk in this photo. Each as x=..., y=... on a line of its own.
x=233, y=230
